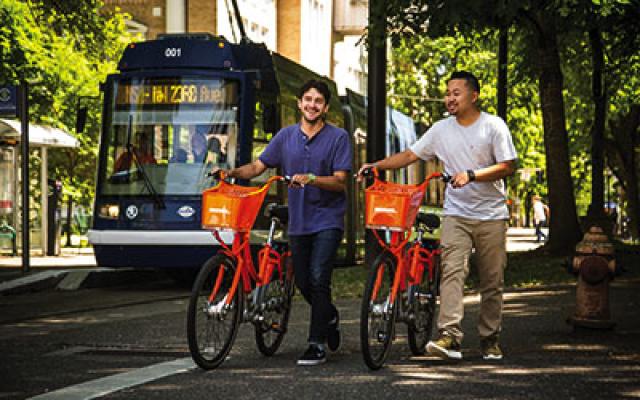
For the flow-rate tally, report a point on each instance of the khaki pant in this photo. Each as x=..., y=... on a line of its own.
x=458, y=236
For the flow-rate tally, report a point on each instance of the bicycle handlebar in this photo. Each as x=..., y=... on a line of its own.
x=218, y=174
x=221, y=175
x=373, y=172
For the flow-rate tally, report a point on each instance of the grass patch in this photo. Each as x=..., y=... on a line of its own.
x=524, y=269
x=348, y=283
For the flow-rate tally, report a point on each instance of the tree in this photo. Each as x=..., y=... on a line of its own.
x=564, y=230
x=621, y=151
x=438, y=18
x=542, y=25
x=64, y=49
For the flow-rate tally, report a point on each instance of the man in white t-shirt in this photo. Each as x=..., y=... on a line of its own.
x=540, y=211
x=477, y=151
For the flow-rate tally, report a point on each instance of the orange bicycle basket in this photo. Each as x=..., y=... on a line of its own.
x=392, y=206
x=233, y=207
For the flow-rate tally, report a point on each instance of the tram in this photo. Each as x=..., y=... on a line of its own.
x=180, y=105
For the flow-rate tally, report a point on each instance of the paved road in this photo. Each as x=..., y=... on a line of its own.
x=52, y=340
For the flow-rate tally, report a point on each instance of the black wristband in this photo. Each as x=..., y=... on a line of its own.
x=471, y=175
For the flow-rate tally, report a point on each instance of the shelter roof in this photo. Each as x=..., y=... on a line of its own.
x=39, y=136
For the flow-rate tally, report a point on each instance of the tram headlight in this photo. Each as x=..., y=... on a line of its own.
x=109, y=211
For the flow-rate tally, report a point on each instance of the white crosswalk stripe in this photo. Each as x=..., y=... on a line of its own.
x=109, y=384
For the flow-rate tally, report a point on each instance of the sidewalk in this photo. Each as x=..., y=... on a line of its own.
x=74, y=268
x=70, y=257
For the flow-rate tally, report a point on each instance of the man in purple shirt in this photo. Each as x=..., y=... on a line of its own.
x=317, y=156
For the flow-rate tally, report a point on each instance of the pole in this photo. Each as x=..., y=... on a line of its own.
x=236, y=11
x=376, y=101
x=24, y=118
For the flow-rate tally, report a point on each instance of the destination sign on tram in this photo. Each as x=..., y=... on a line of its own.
x=163, y=93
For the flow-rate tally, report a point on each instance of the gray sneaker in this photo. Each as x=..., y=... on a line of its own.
x=446, y=347
x=491, y=349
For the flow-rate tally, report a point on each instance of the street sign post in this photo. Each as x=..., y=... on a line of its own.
x=24, y=118
x=14, y=102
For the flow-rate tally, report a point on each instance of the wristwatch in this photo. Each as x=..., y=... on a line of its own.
x=471, y=175
x=310, y=178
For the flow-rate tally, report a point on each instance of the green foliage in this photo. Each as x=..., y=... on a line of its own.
x=64, y=50
x=418, y=72
x=423, y=32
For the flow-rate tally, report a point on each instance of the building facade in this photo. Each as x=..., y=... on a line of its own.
x=322, y=35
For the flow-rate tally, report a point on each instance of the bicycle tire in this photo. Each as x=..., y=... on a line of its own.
x=424, y=308
x=377, y=318
x=270, y=332
x=205, y=321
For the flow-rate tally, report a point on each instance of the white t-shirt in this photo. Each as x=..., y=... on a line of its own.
x=484, y=143
x=538, y=212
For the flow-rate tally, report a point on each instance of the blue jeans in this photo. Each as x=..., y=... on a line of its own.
x=540, y=235
x=313, y=257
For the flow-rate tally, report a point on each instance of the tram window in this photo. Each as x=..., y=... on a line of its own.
x=289, y=115
x=258, y=148
x=142, y=146
x=258, y=126
x=264, y=128
x=270, y=119
x=265, y=124
x=187, y=134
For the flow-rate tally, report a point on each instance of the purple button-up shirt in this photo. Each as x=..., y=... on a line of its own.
x=311, y=209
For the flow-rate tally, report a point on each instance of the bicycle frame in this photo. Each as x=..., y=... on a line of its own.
x=240, y=251
x=410, y=263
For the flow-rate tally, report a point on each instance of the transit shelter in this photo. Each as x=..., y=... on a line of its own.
x=41, y=138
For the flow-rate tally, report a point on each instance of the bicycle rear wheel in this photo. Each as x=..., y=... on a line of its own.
x=276, y=300
x=377, y=314
x=212, y=325
x=423, y=307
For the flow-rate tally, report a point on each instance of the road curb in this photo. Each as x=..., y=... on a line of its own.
x=74, y=279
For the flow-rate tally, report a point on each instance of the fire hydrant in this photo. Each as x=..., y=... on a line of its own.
x=595, y=265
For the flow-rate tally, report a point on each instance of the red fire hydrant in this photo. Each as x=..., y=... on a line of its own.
x=595, y=265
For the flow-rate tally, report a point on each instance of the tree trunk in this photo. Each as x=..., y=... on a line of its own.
x=564, y=229
x=623, y=159
x=596, y=208
x=503, y=62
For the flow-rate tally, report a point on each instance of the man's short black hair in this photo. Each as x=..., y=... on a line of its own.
x=468, y=77
x=318, y=85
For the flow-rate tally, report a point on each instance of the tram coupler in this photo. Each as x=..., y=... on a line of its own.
x=594, y=264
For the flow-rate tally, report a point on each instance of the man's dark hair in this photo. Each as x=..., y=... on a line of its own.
x=468, y=77
x=320, y=86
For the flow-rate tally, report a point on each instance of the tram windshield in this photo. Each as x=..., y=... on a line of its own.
x=164, y=134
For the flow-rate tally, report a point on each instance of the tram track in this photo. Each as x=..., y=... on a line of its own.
x=68, y=313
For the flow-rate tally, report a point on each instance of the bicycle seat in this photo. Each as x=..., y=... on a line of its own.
x=281, y=213
x=431, y=221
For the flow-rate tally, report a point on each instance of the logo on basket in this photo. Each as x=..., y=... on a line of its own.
x=219, y=210
x=186, y=211
x=385, y=210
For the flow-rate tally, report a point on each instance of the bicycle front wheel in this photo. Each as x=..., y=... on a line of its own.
x=276, y=303
x=378, y=314
x=423, y=309
x=212, y=325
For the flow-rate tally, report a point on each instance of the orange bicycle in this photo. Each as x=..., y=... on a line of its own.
x=228, y=290
x=403, y=281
